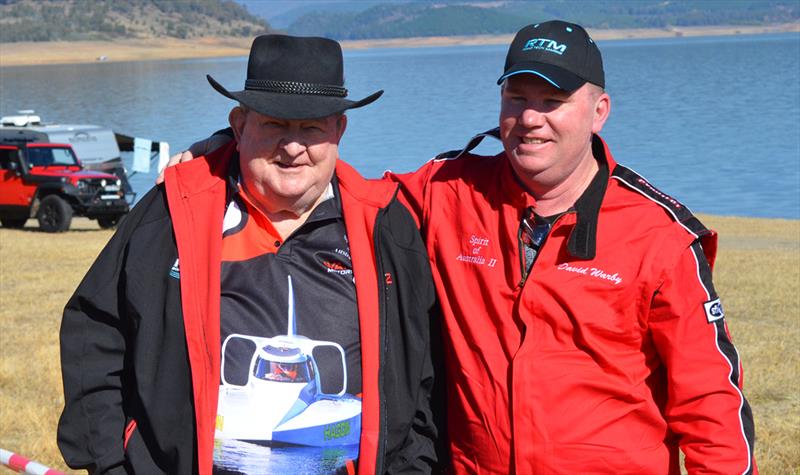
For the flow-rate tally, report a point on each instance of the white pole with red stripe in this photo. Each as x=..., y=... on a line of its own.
x=20, y=464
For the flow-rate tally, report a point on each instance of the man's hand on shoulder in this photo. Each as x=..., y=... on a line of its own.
x=197, y=149
x=184, y=156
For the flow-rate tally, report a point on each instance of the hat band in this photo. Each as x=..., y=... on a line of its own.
x=291, y=87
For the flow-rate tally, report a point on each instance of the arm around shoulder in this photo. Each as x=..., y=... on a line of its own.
x=413, y=190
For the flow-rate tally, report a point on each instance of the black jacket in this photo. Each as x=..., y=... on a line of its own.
x=140, y=348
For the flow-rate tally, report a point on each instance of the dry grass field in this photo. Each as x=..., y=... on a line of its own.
x=757, y=274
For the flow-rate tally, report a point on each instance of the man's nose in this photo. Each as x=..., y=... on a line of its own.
x=531, y=117
x=293, y=146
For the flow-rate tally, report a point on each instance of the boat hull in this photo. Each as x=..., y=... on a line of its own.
x=272, y=418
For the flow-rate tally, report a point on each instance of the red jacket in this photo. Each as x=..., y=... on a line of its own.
x=609, y=357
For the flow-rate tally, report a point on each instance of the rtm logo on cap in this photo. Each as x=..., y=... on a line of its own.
x=545, y=44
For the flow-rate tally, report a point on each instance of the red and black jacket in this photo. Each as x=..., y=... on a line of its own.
x=610, y=356
x=140, y=348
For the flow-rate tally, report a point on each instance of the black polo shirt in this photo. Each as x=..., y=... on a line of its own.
x=255, y=302
x=255, y=263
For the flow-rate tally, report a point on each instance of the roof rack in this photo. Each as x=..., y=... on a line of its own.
x=24, y=119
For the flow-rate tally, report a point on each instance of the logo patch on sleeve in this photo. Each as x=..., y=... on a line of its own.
x=713, y=310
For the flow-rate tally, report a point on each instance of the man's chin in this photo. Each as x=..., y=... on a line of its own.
x=529, y=163
x=300, y=196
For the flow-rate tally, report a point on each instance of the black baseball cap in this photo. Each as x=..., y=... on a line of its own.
x=561, y=53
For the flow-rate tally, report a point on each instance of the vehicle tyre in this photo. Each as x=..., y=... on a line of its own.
x=55, y=215
x=14, y=223
x=108, y=222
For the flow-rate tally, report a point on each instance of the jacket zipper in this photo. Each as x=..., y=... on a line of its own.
x=382, y=304
x=525, y=272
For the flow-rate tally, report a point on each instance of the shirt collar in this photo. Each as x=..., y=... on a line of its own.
x=331, y=205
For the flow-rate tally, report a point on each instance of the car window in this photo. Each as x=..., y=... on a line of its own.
x=6, y=157
x=43, y=157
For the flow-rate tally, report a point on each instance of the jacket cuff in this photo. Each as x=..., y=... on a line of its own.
x=109, y=465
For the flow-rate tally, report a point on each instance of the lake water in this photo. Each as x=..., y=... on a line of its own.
x=713, y=121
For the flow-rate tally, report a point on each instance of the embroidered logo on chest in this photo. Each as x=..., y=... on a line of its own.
x=477, y=245
x=336, y=261
x=589, y=271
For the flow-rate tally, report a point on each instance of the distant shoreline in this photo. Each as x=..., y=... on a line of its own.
x=78, y=52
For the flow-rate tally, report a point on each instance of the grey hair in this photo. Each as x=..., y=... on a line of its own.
x=246, y=109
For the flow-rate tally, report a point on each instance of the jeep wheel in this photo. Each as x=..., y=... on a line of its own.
x=14, y=223
x=55, y=215
x=108, y=222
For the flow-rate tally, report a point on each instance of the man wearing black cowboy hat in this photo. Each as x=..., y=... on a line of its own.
x=165, y=340
x=583, y=332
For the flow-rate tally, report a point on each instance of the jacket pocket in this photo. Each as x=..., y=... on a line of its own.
x=138, y=458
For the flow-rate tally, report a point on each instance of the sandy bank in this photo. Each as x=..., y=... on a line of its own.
x=62, y=52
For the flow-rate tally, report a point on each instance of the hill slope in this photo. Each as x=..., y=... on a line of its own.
x=71, y=20
x=475, y=17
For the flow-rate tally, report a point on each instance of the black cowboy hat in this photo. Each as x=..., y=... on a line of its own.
x=291, y=77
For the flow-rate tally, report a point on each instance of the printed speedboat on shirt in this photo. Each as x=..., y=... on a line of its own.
x=282, y=401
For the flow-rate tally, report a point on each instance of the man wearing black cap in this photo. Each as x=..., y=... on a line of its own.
x=583, y=333
x=169, y=344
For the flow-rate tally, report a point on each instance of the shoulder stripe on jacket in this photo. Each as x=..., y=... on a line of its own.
x=679, y=212
x=473, y=142
x=730, y=354
x=703, y=271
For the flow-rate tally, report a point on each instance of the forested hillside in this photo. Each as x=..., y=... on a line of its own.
x=52, y=20
x=450, y=17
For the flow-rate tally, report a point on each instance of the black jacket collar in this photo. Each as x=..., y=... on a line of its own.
x=582, y=242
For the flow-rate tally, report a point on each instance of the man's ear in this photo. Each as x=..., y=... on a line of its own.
x=341, y=126
x=237, y=118
x=602, y=108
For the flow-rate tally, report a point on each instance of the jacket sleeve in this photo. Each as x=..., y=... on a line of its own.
x=91, y=427
x=414, y=369
x=705, y=406
x=423, y=449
